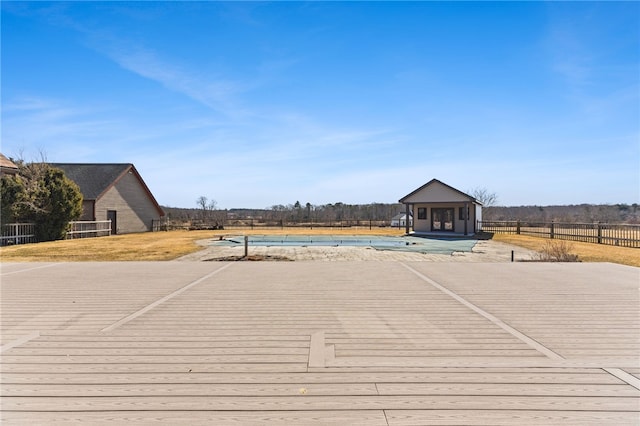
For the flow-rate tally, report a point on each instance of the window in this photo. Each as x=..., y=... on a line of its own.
x=461, y=213
x=422, y=213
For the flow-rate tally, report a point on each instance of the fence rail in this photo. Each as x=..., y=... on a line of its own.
x=17, y=233
x=625, y=235
x=89, y=229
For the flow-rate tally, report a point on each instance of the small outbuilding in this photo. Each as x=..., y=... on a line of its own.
x=114, y=192
x=400, y=220
x=438, y=208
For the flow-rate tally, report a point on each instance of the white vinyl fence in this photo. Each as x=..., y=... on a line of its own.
x=17, y=233
x=89, y=229
x=24, y=233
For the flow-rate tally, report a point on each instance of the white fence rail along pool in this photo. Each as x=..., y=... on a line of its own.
x=24, y=233
x=17, y=233
x=89, y=229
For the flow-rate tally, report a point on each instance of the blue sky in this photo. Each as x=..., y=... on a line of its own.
x=257, y=104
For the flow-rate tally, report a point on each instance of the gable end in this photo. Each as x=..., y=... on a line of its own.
x=432, y=185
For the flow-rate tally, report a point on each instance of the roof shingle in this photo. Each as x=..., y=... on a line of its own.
x=93, y=179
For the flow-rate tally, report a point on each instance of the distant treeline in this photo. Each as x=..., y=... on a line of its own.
x=293, y=213
x=587, y=213
x=382, y=212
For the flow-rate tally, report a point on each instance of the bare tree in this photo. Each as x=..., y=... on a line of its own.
x=207, y=206
x=202, y=202
x=483, y=195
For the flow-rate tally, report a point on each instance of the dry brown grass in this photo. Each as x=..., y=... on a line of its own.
x=587, y=252
x=173, y=244
x=152, y=245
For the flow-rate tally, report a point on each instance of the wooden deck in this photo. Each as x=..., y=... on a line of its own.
x=305, y=343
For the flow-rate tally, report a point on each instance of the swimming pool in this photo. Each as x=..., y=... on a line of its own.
x=412, y=244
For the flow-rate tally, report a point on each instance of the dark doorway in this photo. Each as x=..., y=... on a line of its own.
x=442, y=220
x=112, y=216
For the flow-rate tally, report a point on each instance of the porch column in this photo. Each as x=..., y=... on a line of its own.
x=406, y=219
x=465, y=215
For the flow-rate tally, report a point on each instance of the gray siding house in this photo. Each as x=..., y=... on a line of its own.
x=438, y=208
x=114, y=192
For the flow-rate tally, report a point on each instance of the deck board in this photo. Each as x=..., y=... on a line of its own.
x=314, y=389
x=533, y=376
x=310, y=343
x=509, y=417
x=304, y=402
x=243, y=418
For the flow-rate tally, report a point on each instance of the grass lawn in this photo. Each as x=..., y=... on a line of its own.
x=587, y=252
x=152, y=245
x=173, y=244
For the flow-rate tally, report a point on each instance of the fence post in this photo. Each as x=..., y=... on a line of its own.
x=551, y=230
x=599, y=232
x=518, y=227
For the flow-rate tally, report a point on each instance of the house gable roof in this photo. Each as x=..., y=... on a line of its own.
x=436, y=191
x=95, y=180
x=7, y=165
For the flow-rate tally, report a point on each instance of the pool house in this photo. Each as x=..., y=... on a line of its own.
x=440, y=209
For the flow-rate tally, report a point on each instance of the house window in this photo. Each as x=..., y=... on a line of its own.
x=461, y=213
x=422, y=213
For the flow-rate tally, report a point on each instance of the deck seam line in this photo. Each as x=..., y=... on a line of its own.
x=316, y=351
x=163, y=299
x=495, y=320
x=624, y=376
x=384, y=411
x=20, y=341
x=32, y=269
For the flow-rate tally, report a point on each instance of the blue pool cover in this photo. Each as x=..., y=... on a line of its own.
x=412, y=244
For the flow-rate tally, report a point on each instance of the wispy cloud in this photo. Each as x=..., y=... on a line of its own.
x=598, y=73
x=216, y=92
x=570, y=57
x=32, y=123
x=213, y=90
x=292, y=160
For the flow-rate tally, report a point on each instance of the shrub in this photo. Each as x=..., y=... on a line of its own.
x=42, y=195
x=59, y=203
x=556, y=251
x=12, y=194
